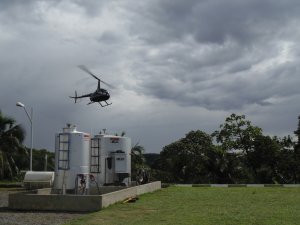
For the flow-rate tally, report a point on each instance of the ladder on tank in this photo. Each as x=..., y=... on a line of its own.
x=64, y=151
x=95, y=155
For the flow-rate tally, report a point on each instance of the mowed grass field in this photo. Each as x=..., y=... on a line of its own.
x=199, y=205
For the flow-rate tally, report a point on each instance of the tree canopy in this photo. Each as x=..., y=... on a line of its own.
x=238, y=152
x=11, y=138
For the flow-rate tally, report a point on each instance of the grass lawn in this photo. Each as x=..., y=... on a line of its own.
x=10, y=186
x=199, y=205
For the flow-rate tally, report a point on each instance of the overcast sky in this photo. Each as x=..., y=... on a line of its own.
x=176, y=65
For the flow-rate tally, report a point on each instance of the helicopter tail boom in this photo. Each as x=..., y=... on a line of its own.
x=82, y=96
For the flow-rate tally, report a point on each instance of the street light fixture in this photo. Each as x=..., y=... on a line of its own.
x=30, y=117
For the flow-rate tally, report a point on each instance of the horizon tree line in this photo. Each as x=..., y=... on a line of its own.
x=238, y=152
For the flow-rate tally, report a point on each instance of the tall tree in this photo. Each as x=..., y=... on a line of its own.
x=137, y=159
x=297, y=133
x=238, y=135
x=187, y=159
x=296, y=158
x=265, y=159
x=39, y=160
x=11, y=138
x=223, y=166
x=287, y=164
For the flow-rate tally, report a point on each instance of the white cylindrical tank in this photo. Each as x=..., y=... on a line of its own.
x=38, y=179
x=111, y=159
x=39, y=176
x=71, y=157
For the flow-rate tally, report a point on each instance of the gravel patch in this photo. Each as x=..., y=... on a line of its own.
x=13, y=217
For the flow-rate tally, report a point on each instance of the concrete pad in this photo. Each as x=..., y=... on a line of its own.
x=201, y=185
x=42, y=200
x=237, y=185
x=219, y=185
x=292, y=185
x=255, y=185
x=273, y=185
x=150, y=187
x=183, y=185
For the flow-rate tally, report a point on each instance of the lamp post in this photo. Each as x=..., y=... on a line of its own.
x=30, y=117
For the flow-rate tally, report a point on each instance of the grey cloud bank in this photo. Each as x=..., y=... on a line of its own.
x=176, y=65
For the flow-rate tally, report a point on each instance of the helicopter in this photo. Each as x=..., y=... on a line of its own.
x=100, y=95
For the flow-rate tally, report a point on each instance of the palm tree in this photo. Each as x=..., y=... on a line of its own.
x=137, y=157
x=11, y=138
x=140, y=171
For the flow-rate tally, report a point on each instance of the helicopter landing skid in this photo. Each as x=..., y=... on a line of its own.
x=107, y=104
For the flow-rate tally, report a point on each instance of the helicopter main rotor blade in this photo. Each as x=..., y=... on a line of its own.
x=85, y=69
x=107, y=84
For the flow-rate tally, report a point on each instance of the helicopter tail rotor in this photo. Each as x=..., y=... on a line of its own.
x=75, y=97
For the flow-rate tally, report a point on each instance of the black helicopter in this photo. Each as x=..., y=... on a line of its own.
x=100, y=95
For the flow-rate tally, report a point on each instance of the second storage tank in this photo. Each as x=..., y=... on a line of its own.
x=71, y=156
x=111, y=159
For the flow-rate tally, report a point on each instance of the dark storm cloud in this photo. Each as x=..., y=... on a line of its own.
x=92, y=8
x=24, y=12
x=177, y=65
x=212, y=49
x=212, y=21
